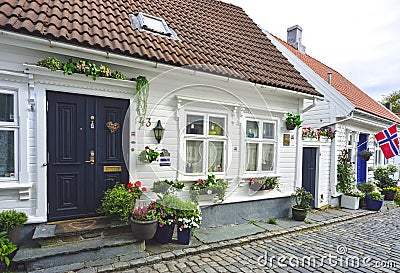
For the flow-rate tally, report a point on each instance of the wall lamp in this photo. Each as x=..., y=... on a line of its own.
x=158, y=131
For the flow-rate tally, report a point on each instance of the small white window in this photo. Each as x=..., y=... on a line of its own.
x=8, y=136
x=205, y=138
x=152, y=24
x=260, y=146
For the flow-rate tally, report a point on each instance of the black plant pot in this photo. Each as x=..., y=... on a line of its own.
x=290, y=126
x=299, y=214
x=164, y=234
x=143, y=230
x=389, y=195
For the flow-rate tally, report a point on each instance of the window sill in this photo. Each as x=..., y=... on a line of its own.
x=260, y=174
x=24, y=189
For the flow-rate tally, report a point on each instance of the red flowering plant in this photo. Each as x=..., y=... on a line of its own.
x=148, y=155
x=264, y=183
x=120, y=200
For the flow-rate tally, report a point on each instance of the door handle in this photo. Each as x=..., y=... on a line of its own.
x=91, y=158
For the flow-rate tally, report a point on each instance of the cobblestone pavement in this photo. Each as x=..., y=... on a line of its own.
x=367, y=244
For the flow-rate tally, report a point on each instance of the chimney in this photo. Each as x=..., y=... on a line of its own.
x=294, y=38
x=329, y=77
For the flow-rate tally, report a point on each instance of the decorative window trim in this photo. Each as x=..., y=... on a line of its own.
x=260, y=141
x=206, y=139
x=14, y=127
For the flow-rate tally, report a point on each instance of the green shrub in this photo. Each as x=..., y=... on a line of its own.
x=117, y=201
x=51, y=63
x=11, y=218
x=6, y=248
x=272, y=221
x=384, y=175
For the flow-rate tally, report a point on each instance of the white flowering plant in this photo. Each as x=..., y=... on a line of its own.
x=188, y=216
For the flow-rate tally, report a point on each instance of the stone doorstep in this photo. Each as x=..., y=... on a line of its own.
x=70, y=231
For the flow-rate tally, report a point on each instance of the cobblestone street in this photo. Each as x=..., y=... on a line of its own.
x=368, y=244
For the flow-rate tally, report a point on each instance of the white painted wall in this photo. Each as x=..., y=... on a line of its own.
x=172, y=93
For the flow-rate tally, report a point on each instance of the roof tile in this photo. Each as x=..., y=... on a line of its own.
x=211, y=32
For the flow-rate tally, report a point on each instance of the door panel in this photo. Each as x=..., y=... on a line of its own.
x=76, y=128
x=362, y=164
x=309, y=171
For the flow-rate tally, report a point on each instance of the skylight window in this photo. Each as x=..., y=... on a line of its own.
x=152, y=24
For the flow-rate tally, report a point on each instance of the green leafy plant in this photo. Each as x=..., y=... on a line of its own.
x=209, y=186
x=6, y=248
x=302, y=199
x=10, y=219
x=51, y=63
x=142, y=94
x=148, y=155
x=366, y=187
x=272, y=221
x=167, y=186
x=294, y=119
x=375, y=195
x=118, y=75
x=384, y=176
x=118, y=201
x=264, y=183
x=327, y=132
x=188, y=215
x=309, y=132
x=345, y=173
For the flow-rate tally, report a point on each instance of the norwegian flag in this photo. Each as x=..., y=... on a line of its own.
x=388, y=141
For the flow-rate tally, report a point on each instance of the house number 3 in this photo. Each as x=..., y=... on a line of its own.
x=148, y=123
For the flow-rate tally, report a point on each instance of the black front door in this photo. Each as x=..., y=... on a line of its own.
x=309, y=172
x=85, y=152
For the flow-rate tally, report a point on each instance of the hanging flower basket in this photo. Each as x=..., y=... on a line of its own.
x=365, y=155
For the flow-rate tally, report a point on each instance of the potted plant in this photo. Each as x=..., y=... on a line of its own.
x=365, y=155
x=389, y=193
x=11, y=221
x=264, y=183
x=309, y=133
x=209, y=186
x=327, y=132
x=164, y=210
x=188, y=217
x=365, y=188
x=7, y=248
x=148, y=155
x=374, y=201
x=351, y=199
x=293, y=121
x=143, y=224
x=120, y=200
x=167, y=186
x=302, y=200
x=384, y=176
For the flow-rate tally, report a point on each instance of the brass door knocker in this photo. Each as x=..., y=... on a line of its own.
x=112, y=126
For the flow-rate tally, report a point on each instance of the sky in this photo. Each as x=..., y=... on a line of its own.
x=358, y=38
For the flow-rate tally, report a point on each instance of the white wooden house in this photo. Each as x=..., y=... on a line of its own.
x=354, y=115
x=66, y=138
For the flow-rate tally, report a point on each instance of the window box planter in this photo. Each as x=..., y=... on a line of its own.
x=350, y=202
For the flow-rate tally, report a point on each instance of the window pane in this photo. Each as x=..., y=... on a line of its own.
x=216, y=126
x=7, y=154
x=153, y=24
x=194, y=156
x=194, y=125
x=252, y=129
x=216, y=156
x=267, y=157
x=251, y=156
x=7, y=107
x=268, y=130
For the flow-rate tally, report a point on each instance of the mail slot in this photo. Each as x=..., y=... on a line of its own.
x=112, y=169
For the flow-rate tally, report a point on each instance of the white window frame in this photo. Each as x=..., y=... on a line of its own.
x=260, y=141
x=205, y=138
x=14, y=127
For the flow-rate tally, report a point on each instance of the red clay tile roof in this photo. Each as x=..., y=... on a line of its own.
x=354, y=94
x=211, y=32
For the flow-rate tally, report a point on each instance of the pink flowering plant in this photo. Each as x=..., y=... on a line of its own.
x=264, y=183
x=327, y=132
x=163, y=211
x=309, y=132
x=210, y=185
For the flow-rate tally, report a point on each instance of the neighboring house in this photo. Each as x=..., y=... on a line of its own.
x=67, y=138
x=354, y=115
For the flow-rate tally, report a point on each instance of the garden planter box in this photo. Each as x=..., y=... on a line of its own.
x=164, y=234
x=374, y=204
x=184, y=236
x=350, y=202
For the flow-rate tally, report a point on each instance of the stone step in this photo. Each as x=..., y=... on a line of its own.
x=77, y=252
